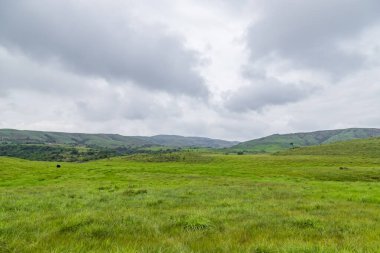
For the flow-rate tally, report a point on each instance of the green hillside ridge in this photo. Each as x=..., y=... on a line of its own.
x=278, y=142
x=12, y=136
x=181, y=141
x=363, y=148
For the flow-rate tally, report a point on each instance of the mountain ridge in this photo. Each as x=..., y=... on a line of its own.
x=14, y=136
x=269, y=144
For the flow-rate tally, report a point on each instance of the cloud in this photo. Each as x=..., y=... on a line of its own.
x=107, y=43
x=138, y=67
x=267, y=93
x=297, y=48
x=18, y=72
x=309, y=33
x=130, y=104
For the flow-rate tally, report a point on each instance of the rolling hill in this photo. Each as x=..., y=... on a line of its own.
x=181, y=141
x=362, y=147
x=278, y=142
x=12, y=136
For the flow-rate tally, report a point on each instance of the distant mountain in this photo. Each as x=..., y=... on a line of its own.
x=12, y=136
x=363, y=147
x=180, y=141
x=277, y=142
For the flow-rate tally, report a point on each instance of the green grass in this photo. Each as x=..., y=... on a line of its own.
x=192, y=203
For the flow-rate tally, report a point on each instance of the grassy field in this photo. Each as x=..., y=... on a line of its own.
x=192, y=203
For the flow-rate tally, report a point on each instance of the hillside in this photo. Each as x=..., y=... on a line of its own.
x=363, y=148
x=278, y=142
x=11, y=136
x=181, y=141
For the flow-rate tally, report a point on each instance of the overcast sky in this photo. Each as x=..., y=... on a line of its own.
x=235, y=70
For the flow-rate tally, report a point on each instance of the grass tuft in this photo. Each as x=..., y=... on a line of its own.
x=194, y=223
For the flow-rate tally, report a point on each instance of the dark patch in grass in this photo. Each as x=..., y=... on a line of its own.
x=155, y=203
x=75, y=227
x=109, y=188
x=309, y=208
x=131, y=192
x=370, y=200
x=261, y=249
x=4, y=247
x=305, y=223
x=343, y=168
x=104, y=199
x=100, y=233
x=225, y=204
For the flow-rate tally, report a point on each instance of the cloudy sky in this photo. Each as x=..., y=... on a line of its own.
x=224, y=69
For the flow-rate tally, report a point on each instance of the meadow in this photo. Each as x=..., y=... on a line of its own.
x=192, y=202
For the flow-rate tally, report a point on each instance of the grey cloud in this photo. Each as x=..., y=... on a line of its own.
x=266, y=93
x=100, y=43
x=69, y=66
x=308, y=33
x=128, y=104
x=19, y=73
x=303, y=39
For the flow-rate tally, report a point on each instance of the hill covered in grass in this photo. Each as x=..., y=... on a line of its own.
x=278, y=142
x=363, y=148
x=181, y=141
x=12, y=136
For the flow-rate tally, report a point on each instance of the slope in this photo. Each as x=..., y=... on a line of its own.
x=181, y=141
x=278, y=142
x=12, y=136
x=363, y=148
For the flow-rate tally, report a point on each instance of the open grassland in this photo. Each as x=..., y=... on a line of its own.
x=192, y=203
